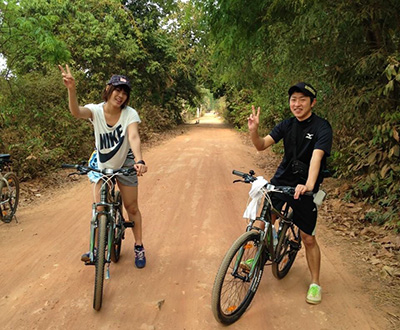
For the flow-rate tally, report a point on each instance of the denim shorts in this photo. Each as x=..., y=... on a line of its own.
x=130, y=180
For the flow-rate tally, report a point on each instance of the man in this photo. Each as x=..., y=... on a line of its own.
x=307, y=140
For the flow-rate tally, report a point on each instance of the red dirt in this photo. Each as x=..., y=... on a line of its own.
x=192, y=213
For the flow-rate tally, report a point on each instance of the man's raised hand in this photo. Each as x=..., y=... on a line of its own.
x=254, y=119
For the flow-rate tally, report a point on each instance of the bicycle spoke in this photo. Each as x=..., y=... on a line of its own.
x=237, y=279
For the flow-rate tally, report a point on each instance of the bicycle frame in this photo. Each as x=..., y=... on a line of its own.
x=3, y=182
x=266, y=237
x=6, y=197
x=108, y=207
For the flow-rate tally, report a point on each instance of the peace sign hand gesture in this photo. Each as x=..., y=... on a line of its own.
x=254, y=119
x=68, y=79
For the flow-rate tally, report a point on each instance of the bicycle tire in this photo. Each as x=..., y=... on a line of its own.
x=118, y=231
x=289, y=243
x=232, y=295
x=11, y=192
x=100, y=261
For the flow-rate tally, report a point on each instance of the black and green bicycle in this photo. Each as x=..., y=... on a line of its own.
x=107, y=227
x=241, y=270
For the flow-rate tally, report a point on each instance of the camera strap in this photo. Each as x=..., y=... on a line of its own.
x=294, y=131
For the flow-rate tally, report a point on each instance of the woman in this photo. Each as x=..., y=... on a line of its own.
x=116, y=137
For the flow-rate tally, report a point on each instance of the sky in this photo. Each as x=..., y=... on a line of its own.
x=2, y=62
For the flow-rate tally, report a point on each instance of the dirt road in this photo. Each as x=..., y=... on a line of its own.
x=192, y=213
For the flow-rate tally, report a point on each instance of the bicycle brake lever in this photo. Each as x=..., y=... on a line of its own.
x=235, y=181
x=76, y=173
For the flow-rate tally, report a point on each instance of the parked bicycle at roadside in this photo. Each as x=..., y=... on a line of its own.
x=241, y=270
x=9, y=190
x=107, y=227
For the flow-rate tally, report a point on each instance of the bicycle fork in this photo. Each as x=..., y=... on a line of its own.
x=93, y=231
x=111, y=226
x=256, y=258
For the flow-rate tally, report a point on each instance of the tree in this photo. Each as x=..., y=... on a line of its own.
x=27, y=41
x=97, y=38
x=348, y=50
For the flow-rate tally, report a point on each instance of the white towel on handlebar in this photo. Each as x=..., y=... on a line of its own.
x=256, y=194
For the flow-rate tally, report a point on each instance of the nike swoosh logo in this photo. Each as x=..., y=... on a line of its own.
x=105, y=157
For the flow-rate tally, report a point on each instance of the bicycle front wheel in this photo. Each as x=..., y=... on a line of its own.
x=9, y=197
x=118, y=231
x=289, y=243
x=100, y=261
x=238, y=278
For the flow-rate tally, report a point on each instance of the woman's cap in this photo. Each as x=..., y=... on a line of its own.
x=304, y=88
x=117, y=80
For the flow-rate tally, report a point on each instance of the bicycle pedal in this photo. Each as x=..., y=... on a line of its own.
x=129, y=224
x=295, y=245
x=89, y=263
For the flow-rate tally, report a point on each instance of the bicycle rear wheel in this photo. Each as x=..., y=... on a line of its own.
x=100, y=262
x=9, y=194
x=234, y=286
x=289, y=243
x=118, y=231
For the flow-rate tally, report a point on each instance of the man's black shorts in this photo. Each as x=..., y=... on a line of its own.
x=304, y=211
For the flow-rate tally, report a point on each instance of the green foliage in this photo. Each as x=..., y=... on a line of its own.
x=38, y=130
x=97, y=38
x=347, y=50
x=28, y=41
x=236, y=102
x=154, y=120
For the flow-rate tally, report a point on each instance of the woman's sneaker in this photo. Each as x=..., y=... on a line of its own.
x=314, y=294
x=140, y=258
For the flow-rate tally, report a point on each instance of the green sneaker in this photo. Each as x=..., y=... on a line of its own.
x=314, y=294
x=247, y=264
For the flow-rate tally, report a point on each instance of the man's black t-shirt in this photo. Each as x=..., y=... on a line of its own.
x=312, y=133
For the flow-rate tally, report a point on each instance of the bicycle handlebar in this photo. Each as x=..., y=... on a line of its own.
x=249, y=177
x=83, y=170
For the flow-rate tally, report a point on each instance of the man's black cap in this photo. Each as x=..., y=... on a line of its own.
x=304, y=88
x=117, y=80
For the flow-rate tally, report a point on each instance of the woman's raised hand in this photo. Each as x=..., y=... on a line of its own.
x=68, y=79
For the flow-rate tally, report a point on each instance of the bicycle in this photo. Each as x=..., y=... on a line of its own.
x=107, y=224
x=240, y=272
x=9, y=190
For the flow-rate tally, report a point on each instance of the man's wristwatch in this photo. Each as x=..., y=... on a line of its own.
x=141, y=162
